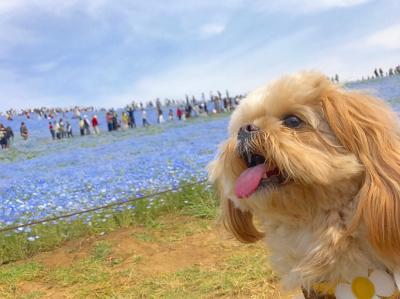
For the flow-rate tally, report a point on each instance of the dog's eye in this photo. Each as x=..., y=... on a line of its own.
x=292, y=121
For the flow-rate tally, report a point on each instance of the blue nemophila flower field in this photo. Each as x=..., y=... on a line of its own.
x=79, y=173
x=40, y=177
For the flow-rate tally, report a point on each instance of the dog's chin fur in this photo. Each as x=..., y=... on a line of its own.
x=339, y=211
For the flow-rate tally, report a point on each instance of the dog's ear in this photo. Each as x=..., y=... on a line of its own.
x=235, y=220
x=365, y=127
x=240, y=223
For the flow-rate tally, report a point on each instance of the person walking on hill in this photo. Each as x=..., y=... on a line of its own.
x=9, y=136
x=179, y=113
x=115, y=123
x=24, y=131
x=95, y=125
x=69, y=130
x=52, y=131
x=144, y=118
x=57, y=129
x=160, y=118
x=86, y=125
x=131, y=113
x=109, y=119
x=125, y=121
x=3, y=136
x=62, y=128
x=81, y=126
x=376, y=73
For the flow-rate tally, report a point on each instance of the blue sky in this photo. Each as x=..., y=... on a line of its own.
x=108, y=53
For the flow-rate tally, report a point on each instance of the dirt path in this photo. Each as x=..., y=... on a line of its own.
x=181, y=257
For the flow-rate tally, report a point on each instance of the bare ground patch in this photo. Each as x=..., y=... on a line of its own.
x=177, y=257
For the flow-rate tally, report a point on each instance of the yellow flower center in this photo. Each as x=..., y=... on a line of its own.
x=362, y=288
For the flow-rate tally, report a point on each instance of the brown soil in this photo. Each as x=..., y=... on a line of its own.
x=205, y=249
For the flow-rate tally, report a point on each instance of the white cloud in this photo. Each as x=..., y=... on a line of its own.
x=13, y=35
x=211, y=29
x=358, y=58
x=239, y=70
x=11, y=8
x=388, y=38
x=94, y=7
x=334, y=3
x=308, y=6
x=241, y=67
x=9, y=5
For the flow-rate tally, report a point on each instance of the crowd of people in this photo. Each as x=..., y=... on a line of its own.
x=59, y=127
x=188, y=108
x=177, y=109
x=60, y=130
x=378, y=73
x=6, y=136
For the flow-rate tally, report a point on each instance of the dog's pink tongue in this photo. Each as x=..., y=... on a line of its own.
x=249, y=180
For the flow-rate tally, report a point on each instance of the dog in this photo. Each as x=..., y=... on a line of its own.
x=314, y=170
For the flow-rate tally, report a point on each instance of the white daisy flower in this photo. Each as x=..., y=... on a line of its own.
x=378, y=284
x=396, y=274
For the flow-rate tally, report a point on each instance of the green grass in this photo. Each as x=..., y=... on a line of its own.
x=33, y=295
x=88, y=271
x=26, y=271
x=164, y=224
x=173, y=222
x=243, y=274
x=101, y=250
x=11, y=276
x=197, y=200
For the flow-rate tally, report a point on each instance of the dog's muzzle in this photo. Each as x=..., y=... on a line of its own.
x=245, y=135
x=247, y=132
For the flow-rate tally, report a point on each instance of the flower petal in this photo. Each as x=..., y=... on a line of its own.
x=343, y=291
x=356, y=271
x=383, y=283
x=396, y=274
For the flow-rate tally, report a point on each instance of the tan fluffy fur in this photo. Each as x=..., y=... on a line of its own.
x=340, y=212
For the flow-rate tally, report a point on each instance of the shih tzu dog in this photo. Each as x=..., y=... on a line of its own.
x=314, y=170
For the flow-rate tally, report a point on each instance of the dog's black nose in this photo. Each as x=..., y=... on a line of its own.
x=250, y=128
x=247, y=131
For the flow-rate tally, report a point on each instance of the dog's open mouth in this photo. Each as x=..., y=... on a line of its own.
x=259, y=174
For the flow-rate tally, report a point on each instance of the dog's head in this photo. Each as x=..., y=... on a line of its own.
x=304, y=144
